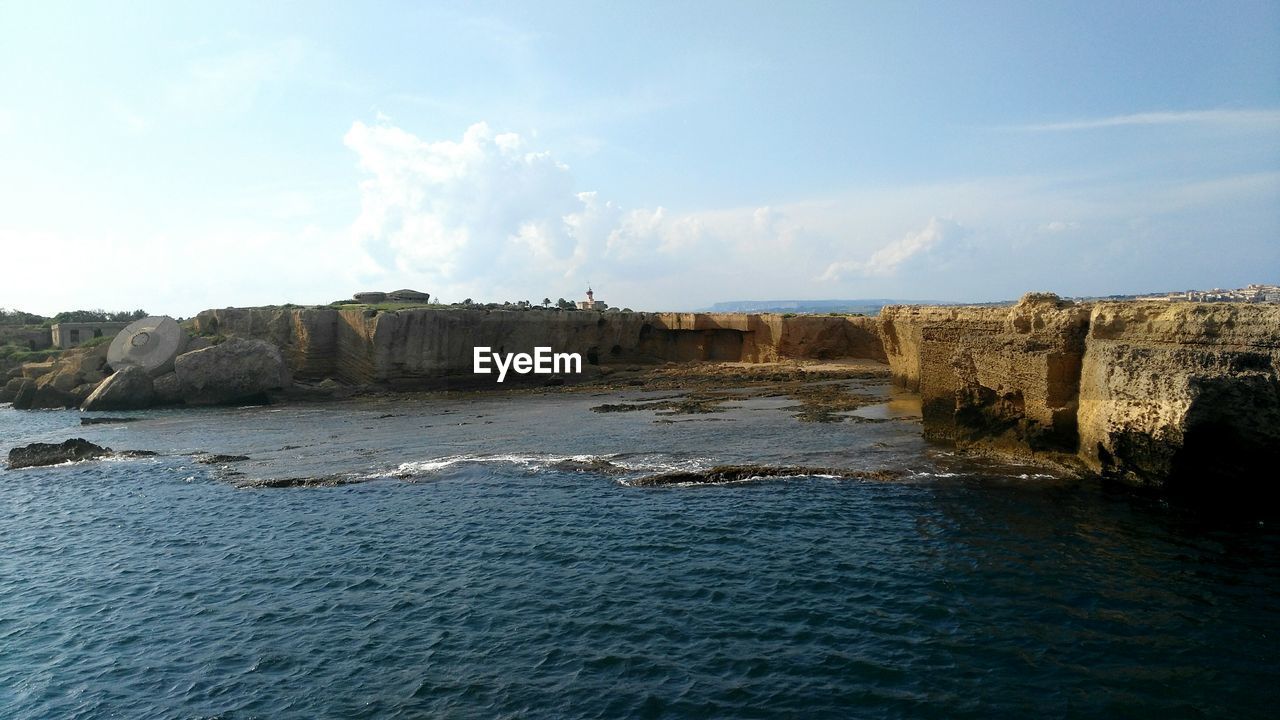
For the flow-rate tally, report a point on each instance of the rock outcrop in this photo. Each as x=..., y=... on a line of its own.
x=1181, y=394
x=64, y=382
x=234, y=371
x=1150, y=393
x=11, y=387
x=1006, y=378
x=37, y=454
x=129, y=388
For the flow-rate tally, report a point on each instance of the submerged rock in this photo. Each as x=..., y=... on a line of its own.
x=37, y=454
x=216, y=459
x=234, y=371
x=736, y=473
x=296, y=482
x=129, y=388
x=107, y=420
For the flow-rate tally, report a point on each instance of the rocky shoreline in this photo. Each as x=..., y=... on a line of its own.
x=1147, y=393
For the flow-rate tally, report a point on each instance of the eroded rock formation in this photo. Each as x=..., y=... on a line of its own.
x=1007, y=378
x=1181, y=394
x=1149, y=393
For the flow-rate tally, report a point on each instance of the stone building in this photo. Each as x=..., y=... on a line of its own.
x=591, y=303
x=71, y=334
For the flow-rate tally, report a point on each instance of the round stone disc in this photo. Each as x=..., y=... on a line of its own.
x=150, y=343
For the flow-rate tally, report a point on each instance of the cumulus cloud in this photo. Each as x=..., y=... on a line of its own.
x=488, y=214
x=455, y=210
x=890, y=258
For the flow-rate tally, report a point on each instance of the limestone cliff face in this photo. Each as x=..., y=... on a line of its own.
x=1180, y=393
x=993, y=376
x=1150, y=393
x=422, y=346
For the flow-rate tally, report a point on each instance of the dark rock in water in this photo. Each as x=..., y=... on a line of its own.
x=294, y=482
x=37, y=454
x=136, y=453
x=23, y=393
x=107, y=420
x=10, y=389
x=215, y=459
x=129, y=388
x=735, y=473
x=594, y=465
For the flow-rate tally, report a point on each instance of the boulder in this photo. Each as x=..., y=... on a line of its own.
x=129, y=388
x=64, y=382
x=37, y=454
x=196, y=342
x=10, y=389
x=37, y=369
x=234, y=371
x=167, y=389
x=44, y=394
x=23, y=394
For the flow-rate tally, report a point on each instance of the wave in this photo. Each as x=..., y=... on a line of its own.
x=628, y=469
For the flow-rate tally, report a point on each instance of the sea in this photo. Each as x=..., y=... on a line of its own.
x=472, y=555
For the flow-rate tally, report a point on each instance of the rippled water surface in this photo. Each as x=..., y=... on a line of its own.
x=473, y=574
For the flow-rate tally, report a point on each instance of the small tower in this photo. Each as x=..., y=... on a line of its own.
x=591, y=303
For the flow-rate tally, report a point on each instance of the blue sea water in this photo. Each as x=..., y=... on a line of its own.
x=473, y=574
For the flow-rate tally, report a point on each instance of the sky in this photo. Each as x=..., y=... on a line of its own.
x=176, y=156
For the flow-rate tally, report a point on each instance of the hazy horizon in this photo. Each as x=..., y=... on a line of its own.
x=178, y=158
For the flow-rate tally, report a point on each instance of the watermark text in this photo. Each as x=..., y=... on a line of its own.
x=541, y=362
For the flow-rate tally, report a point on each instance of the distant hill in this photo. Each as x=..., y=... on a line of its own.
x=867, y=306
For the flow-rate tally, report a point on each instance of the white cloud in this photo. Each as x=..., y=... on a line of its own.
x=888, y=259
x=1263, y=118
x=472, y=211
x=1057, y=226
x=487, y=216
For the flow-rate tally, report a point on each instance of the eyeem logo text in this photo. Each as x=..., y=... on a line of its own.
x=541, y=362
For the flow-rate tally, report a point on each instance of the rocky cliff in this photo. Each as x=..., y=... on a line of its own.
x=421, y=347
x=1181, y=394
x=1149, y=393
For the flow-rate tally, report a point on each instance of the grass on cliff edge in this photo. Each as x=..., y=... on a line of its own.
x=387, y=306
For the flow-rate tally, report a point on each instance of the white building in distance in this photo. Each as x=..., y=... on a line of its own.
x=591, y=303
